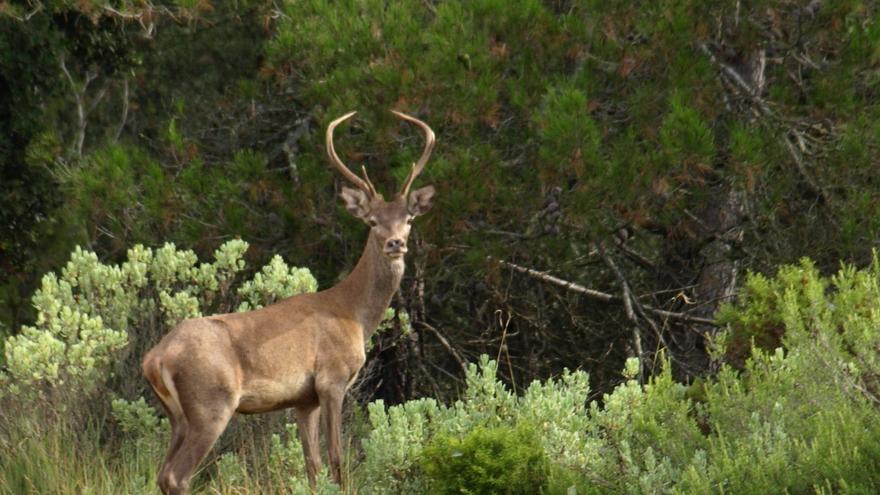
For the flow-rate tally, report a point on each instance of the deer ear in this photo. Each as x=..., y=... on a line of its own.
x=420, y=200
x=356, y=202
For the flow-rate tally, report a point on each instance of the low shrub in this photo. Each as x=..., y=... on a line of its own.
x=500, y=459
x=800, y=416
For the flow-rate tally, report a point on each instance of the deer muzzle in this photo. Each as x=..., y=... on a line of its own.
x=395, y=247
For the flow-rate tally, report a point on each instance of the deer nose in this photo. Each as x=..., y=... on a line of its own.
x=395, y=245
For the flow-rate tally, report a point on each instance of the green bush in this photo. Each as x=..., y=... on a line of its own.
x=488, y=460
x=64, y=376
x=555, y=410
x=801, y=417
x=91, y=312
x=794, y=414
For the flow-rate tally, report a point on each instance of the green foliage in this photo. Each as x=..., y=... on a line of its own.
x=89, y=316
x=500, y=459
x=800, y=419
x=71, y=342
x=68, y=458
x=393, y=446
x=553, y=411
x=685, y=136
x=204, y=121
x=90, y=312
x=283, y=470
x=275, y=281
x=137, y=418
x=570, y=140
x=286, y=457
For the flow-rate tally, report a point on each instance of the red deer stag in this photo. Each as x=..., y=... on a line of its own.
x=301, y=352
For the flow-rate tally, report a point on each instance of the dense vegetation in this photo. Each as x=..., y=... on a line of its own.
x=608, y=175
x=799, y=419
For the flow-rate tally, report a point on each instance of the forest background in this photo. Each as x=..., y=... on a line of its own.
x=607, y=172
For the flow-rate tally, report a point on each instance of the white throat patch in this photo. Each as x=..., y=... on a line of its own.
x=397, y=266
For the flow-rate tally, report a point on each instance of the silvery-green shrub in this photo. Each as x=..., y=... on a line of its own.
x=91, y=311
x=556, y=409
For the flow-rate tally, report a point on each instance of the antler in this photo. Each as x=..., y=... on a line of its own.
x=364, y=185
x=429, y=146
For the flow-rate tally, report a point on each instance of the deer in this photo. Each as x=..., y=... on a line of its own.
x=302, y=352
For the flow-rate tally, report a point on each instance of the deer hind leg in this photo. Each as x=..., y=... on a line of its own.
x=178, y=429
x=179, y=426
x=198, y=440
x=163, y=386
x=308, y=423
x=331, y=403
x=207, y=406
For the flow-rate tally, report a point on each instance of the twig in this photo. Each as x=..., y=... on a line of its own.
x=149, y=26
x=124, y=118
x=628, y=307
x=572, y=286
x=637, y=257
x=753, y=94
x=801, y=167
x=27, y=17
x=505, y=324
x=737, y=79
x=602, y=296
x=445, y=343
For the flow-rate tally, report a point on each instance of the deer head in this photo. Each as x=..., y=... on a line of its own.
x=389, y=221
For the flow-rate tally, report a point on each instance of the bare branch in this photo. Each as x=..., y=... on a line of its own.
x=637, y=257
x=624, y=285
x=27, y=17
x=753, y=93
x=445, y=343
x=97, y=99
x=148, y=26
x=79, y=98
x=602, y=296
x=737, y=79
x=798, y=158
x=124, y=118
x=628, y=306
x=572, y=286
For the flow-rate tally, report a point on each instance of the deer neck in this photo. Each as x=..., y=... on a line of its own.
x=371, y=284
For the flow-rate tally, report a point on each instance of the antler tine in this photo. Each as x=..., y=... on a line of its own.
x=373, y=190
x=429, y=146
x=365, y=186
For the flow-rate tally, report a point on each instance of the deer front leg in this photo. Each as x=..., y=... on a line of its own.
x=331, y=399
x=308, y=423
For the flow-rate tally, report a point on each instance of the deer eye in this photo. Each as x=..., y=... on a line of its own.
x=372, y=222
x=409, y=220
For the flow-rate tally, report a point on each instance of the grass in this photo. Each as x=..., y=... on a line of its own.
x=58, y=453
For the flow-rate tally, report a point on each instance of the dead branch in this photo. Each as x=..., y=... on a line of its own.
x=445, y=343
x=628, y=301
x=736, y=78
x=572, y=286
x=27, y=17
x=602, y=296
x=635, y=256
x=752, y=92
x=797, y=156
x=122, y=121
x=83, y=107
